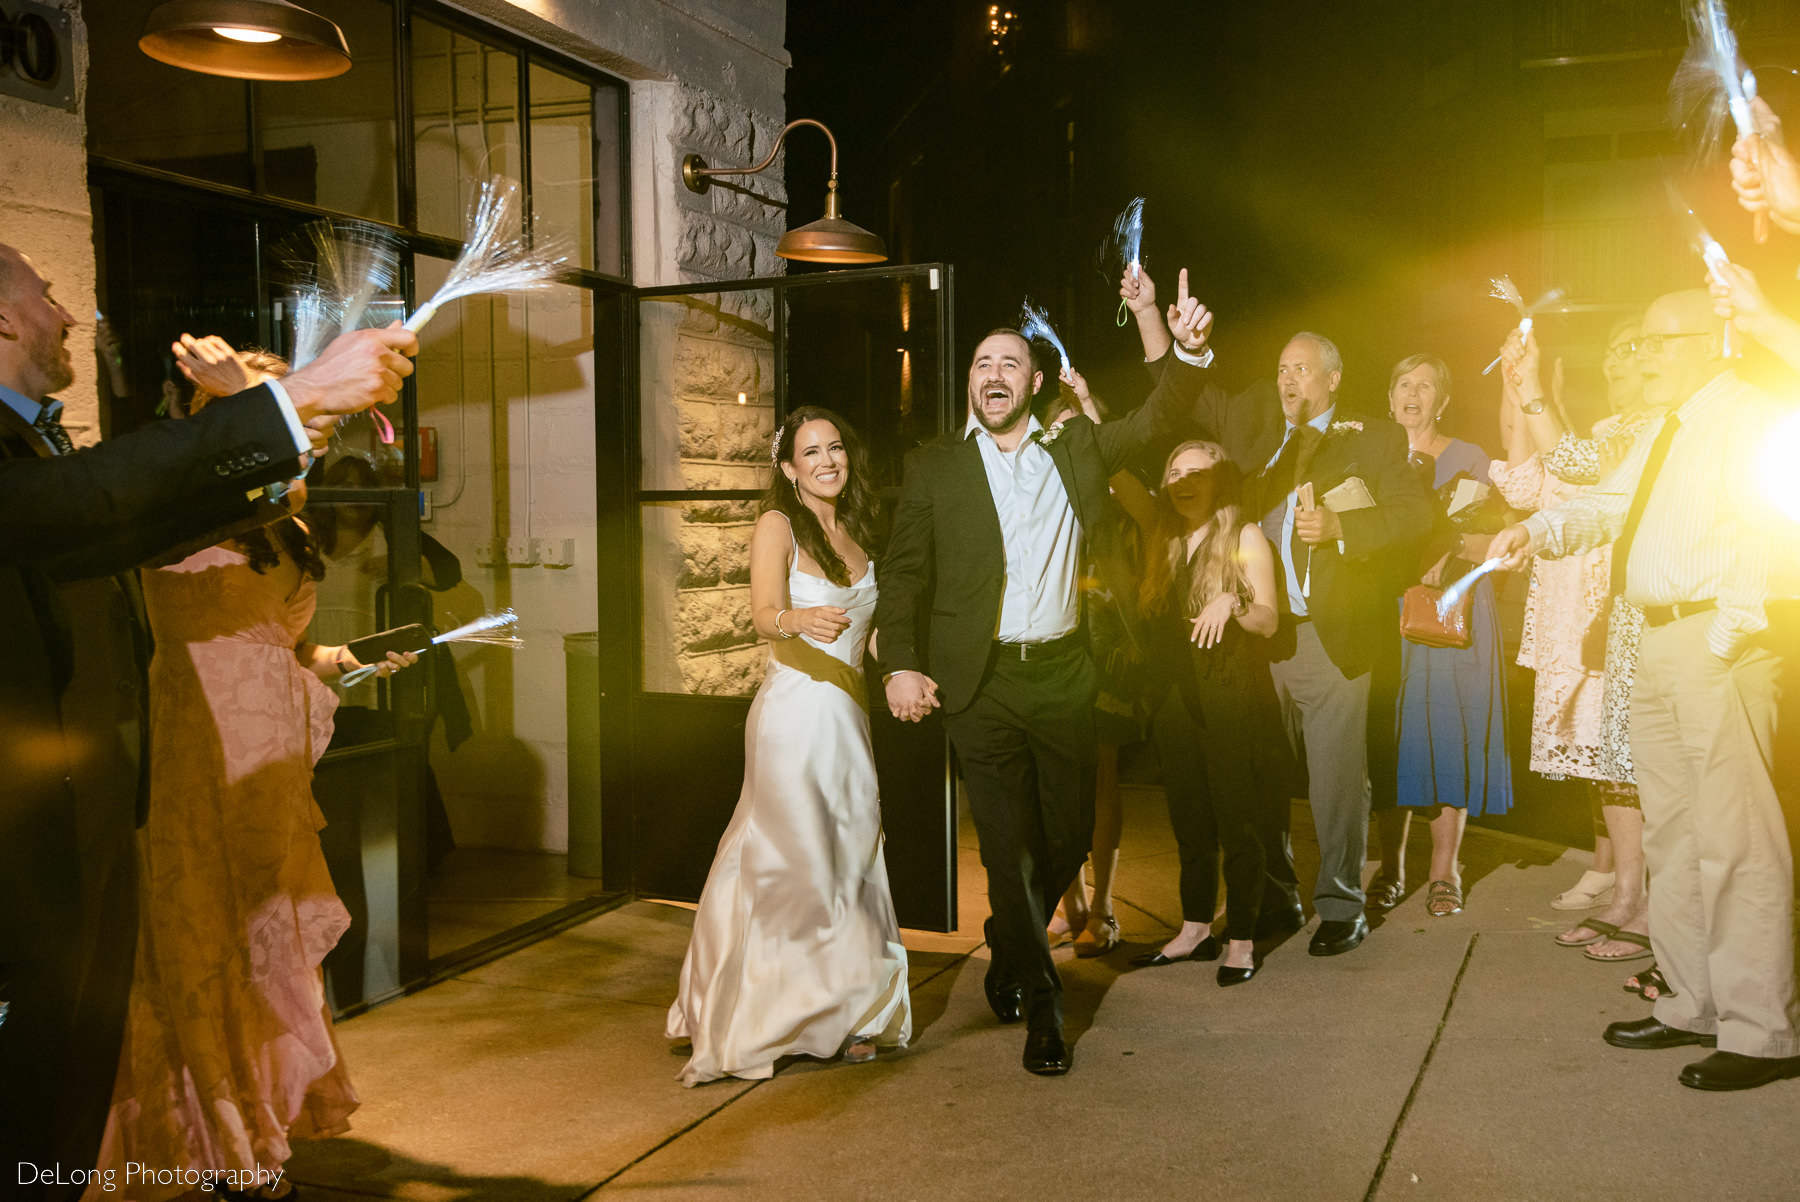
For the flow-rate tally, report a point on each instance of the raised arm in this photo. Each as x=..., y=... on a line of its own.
x=1161, y=415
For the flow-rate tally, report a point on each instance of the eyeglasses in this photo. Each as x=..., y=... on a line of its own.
x=1655, y=344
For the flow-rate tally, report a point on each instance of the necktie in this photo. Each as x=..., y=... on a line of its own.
x=1659, y=451
x=1276, y=483
x=50, y=427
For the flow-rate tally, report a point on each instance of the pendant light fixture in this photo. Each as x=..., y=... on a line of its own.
x=830, y=239
x=245, y=39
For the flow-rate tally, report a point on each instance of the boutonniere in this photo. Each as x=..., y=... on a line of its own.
x=1046, y=437
x=1341, y=427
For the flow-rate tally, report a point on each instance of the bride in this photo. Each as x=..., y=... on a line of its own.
x=795, y=948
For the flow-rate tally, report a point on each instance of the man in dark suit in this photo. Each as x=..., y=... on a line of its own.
x=72, y=525
x=1339, y=588
x=979, y=613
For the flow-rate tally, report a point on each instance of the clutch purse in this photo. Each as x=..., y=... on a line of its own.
x=1419, y=621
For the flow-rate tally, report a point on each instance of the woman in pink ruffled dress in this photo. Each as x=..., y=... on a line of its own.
x=229, y=1051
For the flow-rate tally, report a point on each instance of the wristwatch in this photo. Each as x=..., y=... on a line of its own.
x=1532, y=407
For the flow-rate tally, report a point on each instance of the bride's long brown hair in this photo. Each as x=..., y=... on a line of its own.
x=1217, y=565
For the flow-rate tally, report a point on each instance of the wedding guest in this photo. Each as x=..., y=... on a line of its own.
x=1572, y=605
x=86, y=517
x=1453, y=757
x=229, y=1052
x=1209, y=596
x=1338, y=588
x=1694, y=546
x=1119, y=717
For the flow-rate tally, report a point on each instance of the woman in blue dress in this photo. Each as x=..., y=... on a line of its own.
x=1453, y=758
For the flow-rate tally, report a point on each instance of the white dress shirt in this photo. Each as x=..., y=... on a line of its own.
x=1040, y=533
x=1296, y=588
x=29, y=410
x=1706, y=533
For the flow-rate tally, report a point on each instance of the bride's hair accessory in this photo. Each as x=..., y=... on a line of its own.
x=775, y=447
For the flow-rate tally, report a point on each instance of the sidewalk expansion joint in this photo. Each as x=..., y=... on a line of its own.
x=1419, y=1077
x=652, y=1151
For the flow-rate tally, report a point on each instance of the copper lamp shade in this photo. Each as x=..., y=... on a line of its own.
x=245, y=39
x=830, y=239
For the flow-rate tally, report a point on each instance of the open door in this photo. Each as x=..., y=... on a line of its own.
x=718, y=365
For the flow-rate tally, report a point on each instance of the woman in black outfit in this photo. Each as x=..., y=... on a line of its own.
x=1208, y=594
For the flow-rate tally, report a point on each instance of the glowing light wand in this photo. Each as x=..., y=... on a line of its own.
x=491, y=629
x=339, y=265
x=1711, y=82
x=1504, y=289
x=1708, y=248
x=1452, y=596
x=497, y=258
x=1035, y=323
x=1128, y=240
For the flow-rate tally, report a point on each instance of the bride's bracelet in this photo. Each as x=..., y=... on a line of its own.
x=778, y=630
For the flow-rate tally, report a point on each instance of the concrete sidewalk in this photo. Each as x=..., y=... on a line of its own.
x=1455, y=1058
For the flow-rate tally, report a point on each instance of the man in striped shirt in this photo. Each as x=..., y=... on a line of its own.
x=1707, y=558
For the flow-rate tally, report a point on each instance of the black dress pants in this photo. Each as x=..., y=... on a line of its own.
x=59, y=1043
x=1026, y=747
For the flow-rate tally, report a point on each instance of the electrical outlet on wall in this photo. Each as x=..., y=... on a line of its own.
x=491, y=554
x=521, y=552
x=555, y=552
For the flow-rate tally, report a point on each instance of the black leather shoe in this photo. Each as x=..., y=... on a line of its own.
x=1229, y=976
x=1046, y=1054
x=1647, y=1034
x=1282, y=920
x=1336, y=938
x=1005, y=998
x=1733, y=1070
x=1207, y=949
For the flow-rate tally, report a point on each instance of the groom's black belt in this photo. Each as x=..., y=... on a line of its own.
x=1030, y=651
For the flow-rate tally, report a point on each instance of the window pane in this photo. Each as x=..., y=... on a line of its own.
x=330, y=142
x=609, y=180
x=706, y=365
x=562, y=161
x=465, y=122
x=696, y=569
x=161, y=116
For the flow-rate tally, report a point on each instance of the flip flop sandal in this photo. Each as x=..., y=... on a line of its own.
x=1640, y=948
x=1607, y=931
x=1442, y=899
x=1651, y=978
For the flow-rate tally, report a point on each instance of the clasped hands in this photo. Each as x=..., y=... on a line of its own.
x=911, y=695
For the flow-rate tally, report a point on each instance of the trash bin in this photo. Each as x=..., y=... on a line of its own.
x=581, y=658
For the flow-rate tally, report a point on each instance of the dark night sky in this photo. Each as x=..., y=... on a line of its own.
x=1357, y=169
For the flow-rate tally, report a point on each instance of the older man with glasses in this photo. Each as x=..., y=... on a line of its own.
x=1699, y=551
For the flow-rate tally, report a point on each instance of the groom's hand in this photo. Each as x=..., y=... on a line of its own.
x=911, y=695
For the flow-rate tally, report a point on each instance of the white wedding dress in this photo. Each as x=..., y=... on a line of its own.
x=795, y=948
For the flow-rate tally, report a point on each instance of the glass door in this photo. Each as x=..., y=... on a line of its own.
x=717, y=368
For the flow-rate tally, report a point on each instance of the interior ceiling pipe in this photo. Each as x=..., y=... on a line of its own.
x=830, y=239
x=245, y=39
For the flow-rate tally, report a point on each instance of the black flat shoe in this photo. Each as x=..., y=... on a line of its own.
x=1207, y=949
x=1229, y=976
x=1336, y=938
x=1733, y=1070
x=1647, y=1034
x=1046, y=1054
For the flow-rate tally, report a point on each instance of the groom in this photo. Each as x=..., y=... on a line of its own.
x=979, y=612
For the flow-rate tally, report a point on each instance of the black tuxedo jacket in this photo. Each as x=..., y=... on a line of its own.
x=72, y=695
x=943, y=572
x=1352, y=597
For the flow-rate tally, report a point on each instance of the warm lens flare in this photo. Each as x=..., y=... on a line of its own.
x=1775, y=466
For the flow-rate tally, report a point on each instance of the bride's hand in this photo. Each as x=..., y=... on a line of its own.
x=821, y=623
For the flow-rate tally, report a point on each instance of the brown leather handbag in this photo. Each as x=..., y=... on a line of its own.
x=1419, y=621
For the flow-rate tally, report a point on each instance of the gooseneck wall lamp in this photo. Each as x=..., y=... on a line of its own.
x=245, y=39
x=830, y=239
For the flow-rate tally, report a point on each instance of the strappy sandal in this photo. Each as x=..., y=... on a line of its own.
x=858, y=1050
x=1100, y=936
x=1650, y=979
x=1385, y=892
x=1640, y=948
x=1606, y=931
x=1442, y=899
